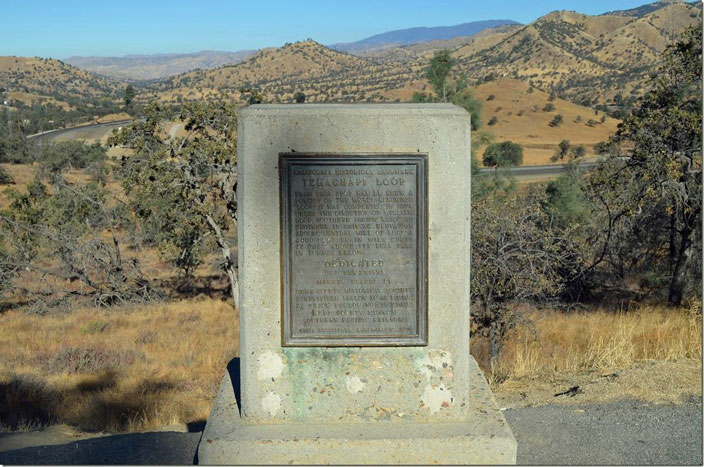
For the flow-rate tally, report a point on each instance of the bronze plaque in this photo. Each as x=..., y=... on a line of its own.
x=354, y=249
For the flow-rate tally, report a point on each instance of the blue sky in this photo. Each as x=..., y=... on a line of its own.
x=60, y=29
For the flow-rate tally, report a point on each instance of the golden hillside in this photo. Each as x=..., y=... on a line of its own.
x=37, y=79
x=323, y=74
x=522, y=114
x=588, y=59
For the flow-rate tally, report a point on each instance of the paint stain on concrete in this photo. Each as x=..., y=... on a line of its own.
x=433, y=361
x=271, y=403
x=270, y=366
x=354, y=384
x=436, y=397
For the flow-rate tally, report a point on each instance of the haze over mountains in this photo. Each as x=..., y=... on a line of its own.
x=148, y=67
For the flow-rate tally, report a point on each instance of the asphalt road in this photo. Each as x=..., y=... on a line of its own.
x=622, y=433
x=74, y=132
x=540, y=170
x=619, y=433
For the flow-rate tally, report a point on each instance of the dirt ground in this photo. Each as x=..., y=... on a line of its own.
x=653, y=381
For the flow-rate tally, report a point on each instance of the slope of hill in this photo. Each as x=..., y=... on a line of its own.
x=523, y=114
x=324, y=75
x=644, y=9
x=36, y=79
x=420, y=34
x=588, y=59
x=148, y=67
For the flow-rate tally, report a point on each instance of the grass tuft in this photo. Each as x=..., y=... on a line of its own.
x=564, y=343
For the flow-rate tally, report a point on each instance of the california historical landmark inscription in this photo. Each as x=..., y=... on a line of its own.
x=353, y=249
x=354, y=242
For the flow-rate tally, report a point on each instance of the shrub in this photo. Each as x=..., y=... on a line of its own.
x=71, y=154
x=504, y=154
x=492, y=121
x=491, y=97
x=5, y=177
x=556, y=120
x=94, y=327
x=89, y=359
x=27, y=402
x=549, y=107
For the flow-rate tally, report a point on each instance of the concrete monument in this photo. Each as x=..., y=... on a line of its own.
x=354, y=237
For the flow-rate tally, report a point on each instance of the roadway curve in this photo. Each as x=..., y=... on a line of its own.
x=523, y=171
x=75, y=131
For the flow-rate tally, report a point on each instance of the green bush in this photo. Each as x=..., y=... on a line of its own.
x=504, y=154
x=556, y=121
x=65, y=155
x=5, y=177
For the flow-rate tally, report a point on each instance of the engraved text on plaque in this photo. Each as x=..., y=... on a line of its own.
x=354, y=245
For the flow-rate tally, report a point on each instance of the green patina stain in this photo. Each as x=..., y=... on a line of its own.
x=311, y=369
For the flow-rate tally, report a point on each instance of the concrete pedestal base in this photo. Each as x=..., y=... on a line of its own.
x=485, y=438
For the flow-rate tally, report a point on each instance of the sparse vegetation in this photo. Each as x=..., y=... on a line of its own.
x=556, y=120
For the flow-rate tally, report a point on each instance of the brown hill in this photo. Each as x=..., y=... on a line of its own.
x=588, y=59
x=49, y=80
x=323, y=74
x=523, y=114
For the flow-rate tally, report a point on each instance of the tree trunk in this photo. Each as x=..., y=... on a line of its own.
x=229, y=265
x=679, y=276
x=494, y=345
x=673, y=242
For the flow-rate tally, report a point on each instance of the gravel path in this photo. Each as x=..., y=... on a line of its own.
x=617, y=433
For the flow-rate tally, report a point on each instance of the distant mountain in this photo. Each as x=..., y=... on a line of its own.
x=424, y=50
x=420, y=34
x=149, y=67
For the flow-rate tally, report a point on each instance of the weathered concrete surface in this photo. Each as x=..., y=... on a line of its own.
x=368, y=383
x=355, y=405
x=484, y=438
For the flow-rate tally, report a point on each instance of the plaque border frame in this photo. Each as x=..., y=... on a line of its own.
x=420, y=338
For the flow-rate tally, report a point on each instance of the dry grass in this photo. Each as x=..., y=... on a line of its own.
x=129, y=369
x=521, y=119
x=144, y=367
x=655, y=353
